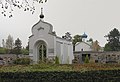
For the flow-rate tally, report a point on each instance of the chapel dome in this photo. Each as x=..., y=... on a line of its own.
x=84, y=35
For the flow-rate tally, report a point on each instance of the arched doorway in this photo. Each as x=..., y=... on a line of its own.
x=42, y=51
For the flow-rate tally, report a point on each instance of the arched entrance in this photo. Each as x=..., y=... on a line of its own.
x=42, y=51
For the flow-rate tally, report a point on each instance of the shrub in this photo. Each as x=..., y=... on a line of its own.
x=25, y=52
x=86, y=59
x=56, y=60
x=2, y=51
x=61, y=76
x=22, y=61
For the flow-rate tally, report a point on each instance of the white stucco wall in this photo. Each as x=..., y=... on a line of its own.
x=82, y=46
x=64, y=50
x=43, y=32
x=70, y=53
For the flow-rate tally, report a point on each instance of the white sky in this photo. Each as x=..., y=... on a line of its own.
x=94, y=17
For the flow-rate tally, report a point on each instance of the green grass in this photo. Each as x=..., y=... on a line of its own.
x=54, y=67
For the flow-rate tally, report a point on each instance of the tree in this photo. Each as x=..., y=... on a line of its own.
x=90, y=40
x=27, y=47
x=18, y=46
x=113, y=40
x=96, y=46
x=26, y=5
x=24, y=51
x=67, y=36
x=107, y=47
x=9, y=43
x=3, y=43
x=76, y=38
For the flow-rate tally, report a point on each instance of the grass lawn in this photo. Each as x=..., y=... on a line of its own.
x=53, y=67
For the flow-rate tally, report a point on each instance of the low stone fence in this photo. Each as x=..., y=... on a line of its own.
x=6, y=59
x=97, y=57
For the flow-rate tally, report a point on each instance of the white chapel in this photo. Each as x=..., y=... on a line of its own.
x=45, y=44
x=84, y=45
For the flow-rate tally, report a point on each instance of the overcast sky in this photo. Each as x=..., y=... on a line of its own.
x=94, y=17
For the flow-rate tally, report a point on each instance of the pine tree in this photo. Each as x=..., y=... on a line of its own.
x=18, y=46
x=76, y=38
x=9, y=42
x=113, y=40
x=56, y=60
x=86, y=59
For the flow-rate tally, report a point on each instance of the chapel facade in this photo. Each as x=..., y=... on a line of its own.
x=45, y=44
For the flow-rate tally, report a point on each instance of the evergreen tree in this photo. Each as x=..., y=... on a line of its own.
x=27, y=47
x=3, y=43
x=90, y=40
x=76, y=38
x=113, y=41
x=9, y=44
x=107, y=47
x=86, y=59
x=18, y=46
x=56, y=60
